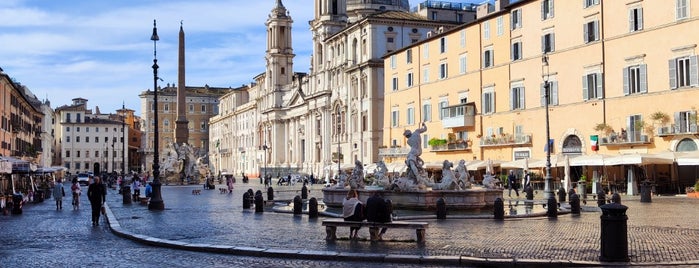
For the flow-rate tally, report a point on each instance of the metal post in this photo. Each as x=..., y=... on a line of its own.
x=123, y=140
x=548, y=192
x=156, y=201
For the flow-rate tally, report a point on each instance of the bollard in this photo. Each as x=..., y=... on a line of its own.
x=304, y=192
x=561, y=194
x=297, y=205
x=126, y=194
x=251, y=197
x=270, y=194
x=645, y=192
x=601, y=198
x=16, y=204
x=551, y=207
x=312, y=208
x=499, y=209
x=246, y=200
x=614, y=245
x=441, y=209
x=575, y=204
x=530, y=192
x=259, y=202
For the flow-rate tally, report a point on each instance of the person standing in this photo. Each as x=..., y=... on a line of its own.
x=512, y=183
x=353, y=210
x=77, y=191
x=378, y=210
x=58, y=194
x=96, y=192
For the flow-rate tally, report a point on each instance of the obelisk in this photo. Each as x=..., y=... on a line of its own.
x=181, y=123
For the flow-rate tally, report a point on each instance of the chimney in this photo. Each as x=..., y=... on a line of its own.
x=501, y=4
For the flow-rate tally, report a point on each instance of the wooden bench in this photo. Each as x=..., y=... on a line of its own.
x=374, y=227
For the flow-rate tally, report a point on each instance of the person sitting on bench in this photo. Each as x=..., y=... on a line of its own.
x=353, y=210
x=378, y=210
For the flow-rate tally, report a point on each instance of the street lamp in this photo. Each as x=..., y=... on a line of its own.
x=113, y=155
x=156, y=200
x=265, y=148
x=338, y=143
x=123, y=140
x=548, y=192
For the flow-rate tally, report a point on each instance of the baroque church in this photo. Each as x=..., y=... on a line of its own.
x=295, y=122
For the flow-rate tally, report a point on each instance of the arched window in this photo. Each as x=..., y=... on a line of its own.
x=686, y=145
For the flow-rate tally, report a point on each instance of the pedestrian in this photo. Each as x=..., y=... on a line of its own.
x=96, y=192
x=378, y=210
x=149, y=190
x=353, y=210
x=77, y=191
x=512, y=184
x=58, y=194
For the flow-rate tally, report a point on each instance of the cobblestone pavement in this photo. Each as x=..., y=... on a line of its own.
x=44, y=237
x=665, y=231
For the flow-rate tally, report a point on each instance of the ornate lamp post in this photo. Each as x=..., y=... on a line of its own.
x=123, y=140
x=548, y=192
x=338, y=144
x=156, y=200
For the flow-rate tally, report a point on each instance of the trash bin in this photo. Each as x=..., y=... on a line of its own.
x=645, y=192
x=614, y=245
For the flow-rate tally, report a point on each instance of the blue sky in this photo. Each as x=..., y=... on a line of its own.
x=101, y=50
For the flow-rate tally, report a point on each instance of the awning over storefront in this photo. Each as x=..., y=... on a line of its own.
x=639, y=159
x=18, y=165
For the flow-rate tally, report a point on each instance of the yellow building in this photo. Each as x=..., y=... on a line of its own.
x=621, y=74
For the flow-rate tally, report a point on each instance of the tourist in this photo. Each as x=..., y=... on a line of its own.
x=149, y=190
x=353, y=210
x=96, y=193
x=512, y=183
x=58, y=194
x=76, y=190
x=378, y=210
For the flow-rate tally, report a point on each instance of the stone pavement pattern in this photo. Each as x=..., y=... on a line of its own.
x=661, y=232
x=44, y=237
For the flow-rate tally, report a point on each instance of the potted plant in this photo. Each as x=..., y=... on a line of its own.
x=693, y=192
x=436, y=143
x=639, y=127
x=605, y=130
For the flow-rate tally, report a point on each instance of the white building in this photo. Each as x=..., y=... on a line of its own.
x=48, y=142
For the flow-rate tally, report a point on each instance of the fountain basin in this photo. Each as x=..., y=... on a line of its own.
x=469, y=199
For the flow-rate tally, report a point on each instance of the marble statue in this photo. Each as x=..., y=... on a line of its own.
x=463, y=177
x=356, y=180
x=413, y=160
x=380, y=175
x=448, y=179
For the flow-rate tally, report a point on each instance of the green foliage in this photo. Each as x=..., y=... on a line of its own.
x=696, y=186
x=437, y=142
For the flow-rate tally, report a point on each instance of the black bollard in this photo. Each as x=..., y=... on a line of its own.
x=601, y=198
x=297, y=205
x=126, y=194
x=246, y=200
x=251, y=197
x=645, y=192
x=561, y=195
x=16, y=204
x=499, y=209
x=530, y=192
x=312, y=208
x=575, y=204
x=259, y=202
x=614, y=245
x=441, y=209
x=304, y=192
x=270, y=194
x=552, y=207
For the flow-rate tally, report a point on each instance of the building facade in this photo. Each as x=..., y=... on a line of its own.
x=621, y=78
x=21, y=121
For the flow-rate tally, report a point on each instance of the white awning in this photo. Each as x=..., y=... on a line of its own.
x=639, y=159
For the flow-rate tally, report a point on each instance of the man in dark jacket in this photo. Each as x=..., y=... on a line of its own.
x=378, y=210
x=96, y=193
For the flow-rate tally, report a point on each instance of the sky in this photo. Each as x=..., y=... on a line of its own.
x=101, y=50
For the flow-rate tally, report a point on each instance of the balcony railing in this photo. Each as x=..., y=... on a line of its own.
x=621, y=140
x=461, y=115
x=395, y=151
x=450, y=147
x=506, y=140
x=673, y=129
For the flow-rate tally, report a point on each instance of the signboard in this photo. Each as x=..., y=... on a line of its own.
x=522, y=154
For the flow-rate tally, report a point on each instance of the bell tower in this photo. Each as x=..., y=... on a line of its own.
x=279, y=54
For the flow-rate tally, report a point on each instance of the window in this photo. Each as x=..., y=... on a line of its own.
x=462, y=64
x=443, y=70
x=388, y=40
x=166, y=107
x=486, y=30
x=681, y=9
x=426, y=51
x=97, y=153
x=410, y=116
x=166, y=124
x=202, y=126
x=442, y=113
x=67, y=153
x=685, y=122
x=425, y=141
x=462, y=38
x=548, y=43
x=426, y=75
x=635, y=79
x=77, y=118
x=67, y=129
x=546, y=9
x=516, y=17
x=517, y=98
x=426, y=112
x=87, y=154
x=97, y=129
x=409, y=56
x=97, y=139
x=77, y=153
x=589, y=3
x=516, y=51
x=87, y=139
x=500, y=25
x=409, y=80
x=632, y=126
x=683, y=72
x=106, y=139
x=77, y=139
x=393, y=62
x=87, y=129
x=592, y=86
x=434, y=15
x=488, y=57
x=551, y=87
x=488, y=102
x=77, y=129
x=394, y=83
x=591, y=30
x=394, y=118
x=191, y=108
x=442, y=45
x=635, y=19
x=203, y=108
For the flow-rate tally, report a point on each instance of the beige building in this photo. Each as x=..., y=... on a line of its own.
x=623, y=74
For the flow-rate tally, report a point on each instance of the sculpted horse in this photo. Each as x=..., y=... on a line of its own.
x=463, y=177
x=448, y=179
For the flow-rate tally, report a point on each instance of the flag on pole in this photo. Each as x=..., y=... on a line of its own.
x=594, y=143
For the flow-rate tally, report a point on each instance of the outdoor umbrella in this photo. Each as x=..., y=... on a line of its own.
x=566, y=173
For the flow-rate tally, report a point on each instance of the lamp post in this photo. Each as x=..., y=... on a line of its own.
x=265, y=148
x=123, y=140
x=548, y=192
x=113, y=156
x=156, y=200
x=338, y=143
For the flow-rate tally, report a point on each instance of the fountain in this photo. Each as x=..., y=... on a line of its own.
x=415, y=190
x=181, y=161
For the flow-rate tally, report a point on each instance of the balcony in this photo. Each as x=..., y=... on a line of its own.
x=461, y=115
x=503, y=140
x=450, y=147
x=394, y=152
x=673, y=130
x=622, y=140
